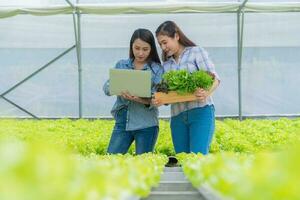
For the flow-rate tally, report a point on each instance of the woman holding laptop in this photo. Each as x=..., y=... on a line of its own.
x=135, y=119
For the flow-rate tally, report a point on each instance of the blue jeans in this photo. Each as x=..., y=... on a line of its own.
x=192, y=130
x=121, y=139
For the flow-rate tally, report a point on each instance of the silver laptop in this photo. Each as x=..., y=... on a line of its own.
x=136, y=82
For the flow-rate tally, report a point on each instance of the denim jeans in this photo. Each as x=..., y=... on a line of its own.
x=121, y=139
x=192, y=130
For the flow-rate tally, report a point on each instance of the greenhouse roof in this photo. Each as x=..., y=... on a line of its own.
x=54, y=7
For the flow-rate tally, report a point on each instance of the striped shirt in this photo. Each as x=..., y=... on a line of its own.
x=191, y=59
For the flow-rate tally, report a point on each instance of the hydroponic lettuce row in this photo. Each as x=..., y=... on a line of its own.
x=40, y=170
x=92, y=136
x=260, y=176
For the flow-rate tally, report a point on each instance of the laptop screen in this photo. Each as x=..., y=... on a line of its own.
x=136, y=82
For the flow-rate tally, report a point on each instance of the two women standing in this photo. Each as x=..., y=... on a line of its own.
x=192, y=123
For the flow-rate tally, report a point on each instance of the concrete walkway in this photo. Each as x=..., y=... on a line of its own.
x=175, y=186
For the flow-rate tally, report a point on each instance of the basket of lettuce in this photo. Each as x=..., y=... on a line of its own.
x=180, y=85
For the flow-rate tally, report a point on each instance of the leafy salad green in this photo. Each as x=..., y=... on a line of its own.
x=185, y=82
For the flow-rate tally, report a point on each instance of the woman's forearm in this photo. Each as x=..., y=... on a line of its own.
x=213, y=87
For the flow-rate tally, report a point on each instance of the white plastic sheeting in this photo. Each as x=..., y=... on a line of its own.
x=150, y=7
x=39, y=11
x=271, y=56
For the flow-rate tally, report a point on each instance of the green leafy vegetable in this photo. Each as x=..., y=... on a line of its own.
x=184, y=82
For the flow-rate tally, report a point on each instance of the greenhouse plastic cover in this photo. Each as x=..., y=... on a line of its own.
x=270, y=64
x=10, y=8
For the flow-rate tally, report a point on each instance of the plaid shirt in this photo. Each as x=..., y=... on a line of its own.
x=192, y=59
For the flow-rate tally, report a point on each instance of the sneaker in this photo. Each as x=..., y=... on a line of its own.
x=173, y=162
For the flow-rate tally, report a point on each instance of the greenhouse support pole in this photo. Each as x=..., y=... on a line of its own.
x=240, y=37
x=37, y=71
x=77, y=33
x=20, y=108
x=79, y=61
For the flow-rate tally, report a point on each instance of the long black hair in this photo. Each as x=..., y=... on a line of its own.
x=146, y=36
x=170, y=28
